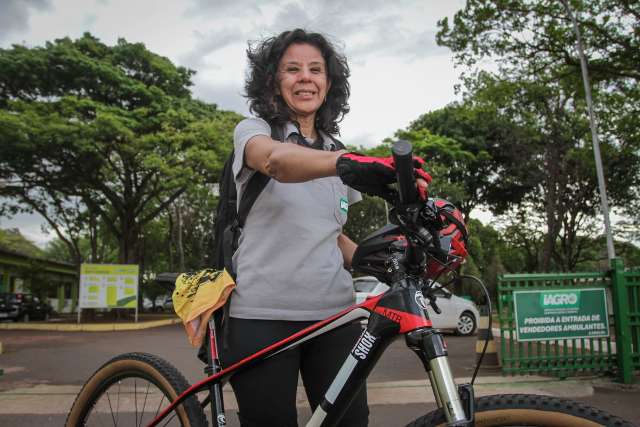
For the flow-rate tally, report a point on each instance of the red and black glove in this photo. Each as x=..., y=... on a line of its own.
x=372, y=175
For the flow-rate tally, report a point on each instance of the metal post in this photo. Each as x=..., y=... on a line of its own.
x=594, y=134
x=621, y=318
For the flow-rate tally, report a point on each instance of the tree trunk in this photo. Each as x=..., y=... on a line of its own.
x=170, y=242
x=93, y=238
x=179, y=246
x=129, y=245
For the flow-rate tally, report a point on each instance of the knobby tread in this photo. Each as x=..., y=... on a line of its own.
x=166, y=370
x=540, y=403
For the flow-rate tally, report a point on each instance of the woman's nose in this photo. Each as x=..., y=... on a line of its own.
x=305, y=74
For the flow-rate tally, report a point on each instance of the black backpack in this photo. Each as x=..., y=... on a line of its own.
x=230, y=218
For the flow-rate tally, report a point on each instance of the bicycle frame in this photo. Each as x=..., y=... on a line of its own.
x=399, y=311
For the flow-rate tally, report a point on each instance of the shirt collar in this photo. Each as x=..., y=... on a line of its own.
x=327, y=142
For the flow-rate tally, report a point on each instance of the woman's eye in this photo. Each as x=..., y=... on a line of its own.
x=292, y=69
x=317, y=70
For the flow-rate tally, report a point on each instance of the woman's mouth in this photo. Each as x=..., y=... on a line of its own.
x=304, y=93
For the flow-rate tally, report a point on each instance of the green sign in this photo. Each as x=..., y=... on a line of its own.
x=561, y=314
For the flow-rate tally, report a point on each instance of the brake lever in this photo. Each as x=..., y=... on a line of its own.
x=432, y=303
x=427, y=290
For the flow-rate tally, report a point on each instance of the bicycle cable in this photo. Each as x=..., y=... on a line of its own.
x=486, y=341
x=488, y=299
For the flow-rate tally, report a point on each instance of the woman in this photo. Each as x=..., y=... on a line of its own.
x=292, y=256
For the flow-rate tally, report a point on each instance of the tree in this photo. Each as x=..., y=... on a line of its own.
x=89, y=131
x=536, y=35
x=534, y=42
x=365, y=217
x=561, y=164
x=478, y=153
x=12, y=240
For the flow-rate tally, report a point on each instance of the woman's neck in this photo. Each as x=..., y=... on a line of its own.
x=307, y=127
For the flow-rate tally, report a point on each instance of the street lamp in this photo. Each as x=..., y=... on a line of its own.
x=594, y=134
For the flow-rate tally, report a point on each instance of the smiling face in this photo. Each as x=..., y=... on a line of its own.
x=303, y=81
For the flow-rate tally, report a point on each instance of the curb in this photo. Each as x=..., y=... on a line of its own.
x=106, y=327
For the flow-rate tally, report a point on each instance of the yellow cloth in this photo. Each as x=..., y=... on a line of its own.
x=197, y=296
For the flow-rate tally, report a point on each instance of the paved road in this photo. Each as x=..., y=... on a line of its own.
x=41, y=365
x=38, y=357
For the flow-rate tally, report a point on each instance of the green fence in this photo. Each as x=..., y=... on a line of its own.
x=619, y=352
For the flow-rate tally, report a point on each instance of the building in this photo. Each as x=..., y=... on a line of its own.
x=55, y=280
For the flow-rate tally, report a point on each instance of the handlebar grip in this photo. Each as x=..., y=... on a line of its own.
x=403, y=158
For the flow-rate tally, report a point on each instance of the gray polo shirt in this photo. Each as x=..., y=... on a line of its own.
x=288, y=263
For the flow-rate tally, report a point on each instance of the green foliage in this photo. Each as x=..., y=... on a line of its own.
x=536, y=35
x=365, y=217
x=538, y=88
x=468, y=146
x=93, y=131
x=12, y=240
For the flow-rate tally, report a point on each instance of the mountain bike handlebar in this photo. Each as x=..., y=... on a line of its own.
x=403, y=158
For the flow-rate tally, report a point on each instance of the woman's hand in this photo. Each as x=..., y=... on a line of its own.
x=372, y=175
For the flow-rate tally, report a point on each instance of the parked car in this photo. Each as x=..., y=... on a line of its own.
x=25, y=307
x=163, y=303
x=457, y=314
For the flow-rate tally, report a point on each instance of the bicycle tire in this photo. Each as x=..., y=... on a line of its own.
x=529, y=410
x=146, y=367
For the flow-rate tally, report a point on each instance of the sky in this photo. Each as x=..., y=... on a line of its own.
x=398, y=72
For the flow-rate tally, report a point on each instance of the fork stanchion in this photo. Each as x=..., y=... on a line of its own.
x=490, y=359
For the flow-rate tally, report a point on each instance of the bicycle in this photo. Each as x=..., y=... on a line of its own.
x=409, y=256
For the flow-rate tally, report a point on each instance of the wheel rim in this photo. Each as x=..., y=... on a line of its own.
x=129, y=400
x=465, y=324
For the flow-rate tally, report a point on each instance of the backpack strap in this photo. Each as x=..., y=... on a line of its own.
x=339, y=145
x=256, y=184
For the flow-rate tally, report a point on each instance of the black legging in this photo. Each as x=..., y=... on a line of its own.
x=266, y=393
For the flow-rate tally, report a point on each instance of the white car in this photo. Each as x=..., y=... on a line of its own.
x=457, y=314
x=163, y=303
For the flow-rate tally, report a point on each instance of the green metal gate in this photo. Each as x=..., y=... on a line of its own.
x=620, y=352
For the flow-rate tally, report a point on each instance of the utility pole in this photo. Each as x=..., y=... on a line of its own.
x=594, y=133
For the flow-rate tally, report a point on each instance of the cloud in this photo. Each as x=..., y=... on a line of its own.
x=14, y=14
x=228, y=96
x=30, y=225
x=405, y=29
x=225, y=8
x=208, y=44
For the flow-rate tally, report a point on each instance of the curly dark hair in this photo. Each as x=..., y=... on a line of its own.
x=262, y=83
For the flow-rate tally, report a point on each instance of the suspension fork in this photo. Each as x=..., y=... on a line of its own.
x=457, y=402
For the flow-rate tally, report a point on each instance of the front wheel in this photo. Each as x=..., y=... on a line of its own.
x=529, y=410
x=131, y=390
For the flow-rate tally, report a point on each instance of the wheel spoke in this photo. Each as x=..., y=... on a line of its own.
x=144, y=404
x=159, y=405
x=111, y=409
x=135, y=399
x=173, y=415
x=118, y=404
